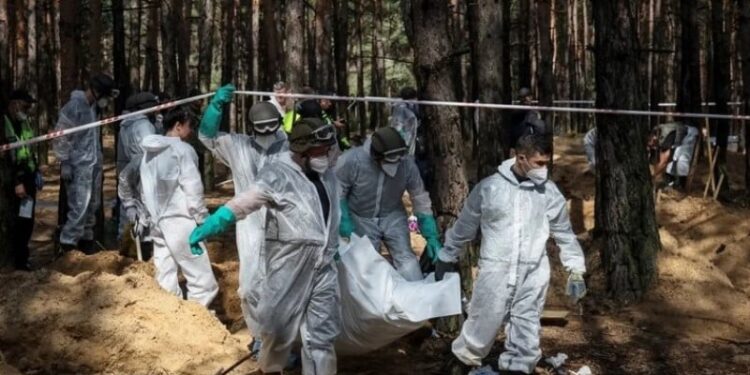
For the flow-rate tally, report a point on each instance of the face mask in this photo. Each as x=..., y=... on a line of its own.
x=538, y=175
x=102, y=103
x=21, y=116
x=319, y=164
x=390, y=169
x=265, y=141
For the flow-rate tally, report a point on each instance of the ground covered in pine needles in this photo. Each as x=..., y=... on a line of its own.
x=105, y=314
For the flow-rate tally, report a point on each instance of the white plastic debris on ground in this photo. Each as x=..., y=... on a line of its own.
x=486, y=370
x=378, y=306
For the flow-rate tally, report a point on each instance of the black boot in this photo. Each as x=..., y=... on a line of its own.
x=87, y=246
x=65, y=248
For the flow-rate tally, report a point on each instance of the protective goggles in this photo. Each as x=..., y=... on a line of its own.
x=394, y=156
x=266, y=126
x=323, y=134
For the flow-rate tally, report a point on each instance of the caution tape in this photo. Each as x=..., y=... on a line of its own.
x=95, y=124
x=371, y=99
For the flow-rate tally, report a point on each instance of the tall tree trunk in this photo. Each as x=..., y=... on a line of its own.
x=743, y=39
x=377, y=74
x=689, y=95
x=524, y=62
x=545, y=77
x=182, y=30
x=19, y=26
x=562, y=62
x=625, y=218
x=249, y=58
x=323, y=30
x=268, y=47
x=228, y=61
x=721, y=69
x=31, y=77
x=206, y=45
x=95, y=53
x=5, y=71
x=488, y=49
x=121, y=72
x=70, y=65
x=47, y=93
x=151, y=70
x=295, y=63
x=361, y=109
x=426, y=25
x=169, y=9
x=340, y=46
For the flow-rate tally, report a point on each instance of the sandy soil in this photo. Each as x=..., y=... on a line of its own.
x=104, y=314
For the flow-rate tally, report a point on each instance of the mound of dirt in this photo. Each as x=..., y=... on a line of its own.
x=98, y=322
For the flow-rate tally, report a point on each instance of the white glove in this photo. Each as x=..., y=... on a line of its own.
x=66, y=172
x=132, y=214
x=576, y=288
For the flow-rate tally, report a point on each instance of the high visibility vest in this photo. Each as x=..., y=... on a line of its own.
x=23, y=155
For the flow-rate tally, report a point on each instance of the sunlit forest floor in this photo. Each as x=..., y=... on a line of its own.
x=106, y=314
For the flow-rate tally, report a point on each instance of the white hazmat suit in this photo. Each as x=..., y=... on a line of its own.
x=515, y=220
x=129, y=155
x=245, y=157
x=80, y=153
x=173, y=196
x=406, y=122
x=299, y=294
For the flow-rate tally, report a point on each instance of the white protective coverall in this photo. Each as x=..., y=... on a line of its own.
x=589, y=147
x=173, y=196
x=245, y=157
x=82, y=153
x=376, y=207
x=299, y=295
x=406, y=122
x=515, y=220
x=129, y=155
x=679, y=166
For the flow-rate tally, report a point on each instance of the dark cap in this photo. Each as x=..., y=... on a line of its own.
x=22, y=95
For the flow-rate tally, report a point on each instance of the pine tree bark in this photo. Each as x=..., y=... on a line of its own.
x=323, y=31
x=524, y=58
x=268, y=45
x=5, y=75
x=95, y=38
x=361, y=109
x=121, y=72
x=562, y=62
x=31, y=77
x=205, y=44
x=545, y=78
x=70, y=65
x=341, y=46
x=721, y=68
x=295, y=41
x=488, y=51
x=377, y=71
x=426, y=24
x=689, y=95
x=169, y=11
x=151, y=71
x=625, y=219
x=47, y=93
x=743, y=39
x=228, y=58
x=19, y=26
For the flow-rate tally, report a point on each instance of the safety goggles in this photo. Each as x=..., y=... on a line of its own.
x=394, y=156
x=323, y=134
x=266, y=126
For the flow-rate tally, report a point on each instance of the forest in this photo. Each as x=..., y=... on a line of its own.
x=666, y=253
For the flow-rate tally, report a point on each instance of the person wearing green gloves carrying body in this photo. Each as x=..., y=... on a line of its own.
x=245, y=155
x=373, y=178
x=299, y=292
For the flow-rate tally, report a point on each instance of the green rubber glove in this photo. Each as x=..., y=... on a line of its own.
x=212, y=115
x=346, y=227
x=215, y=224
x=429, y=229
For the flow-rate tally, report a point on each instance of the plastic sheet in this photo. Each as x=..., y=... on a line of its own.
x=379, y=306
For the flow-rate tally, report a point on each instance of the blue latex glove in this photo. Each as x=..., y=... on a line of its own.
x=211, y=118
x=429, y=229
x=215, y=224
x=576, y=287
x=346, y=227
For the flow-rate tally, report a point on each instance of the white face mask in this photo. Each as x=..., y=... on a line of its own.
x=265, y=141
x=319, y=164
x=538, y=175
x=390, y=169
x=21, y=116
x=102, y=103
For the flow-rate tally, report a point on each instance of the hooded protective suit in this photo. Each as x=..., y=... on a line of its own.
x=245, y=157
x=405, y=121
x=515, y=220
x=129, y=154
x=173, y=196
x=589, y=147
x=299, y=294
x=81, y=154
x=679, y=166
x=376, y=207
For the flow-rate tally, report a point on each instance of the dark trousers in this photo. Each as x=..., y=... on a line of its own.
x=20, y=232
